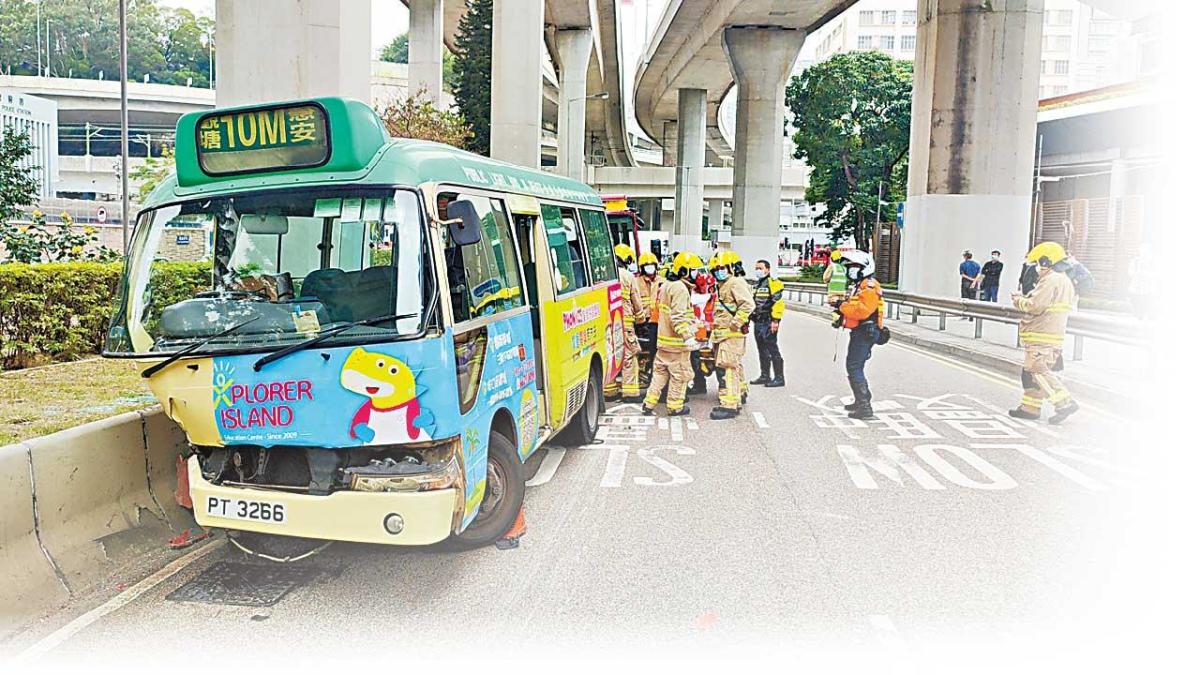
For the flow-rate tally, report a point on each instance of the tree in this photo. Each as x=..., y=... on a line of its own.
x=395, y=51
x=18, y=184
x=852, y=115
x=416, y=117
x=472, y=68
x=153, y=171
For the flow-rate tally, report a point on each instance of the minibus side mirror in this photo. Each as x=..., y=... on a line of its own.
x=464, y=225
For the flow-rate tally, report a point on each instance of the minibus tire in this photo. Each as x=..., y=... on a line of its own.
x=487, y=528
x=584, y=425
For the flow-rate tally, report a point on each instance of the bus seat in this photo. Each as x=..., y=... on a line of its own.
x=374, y=292
x=333, y=288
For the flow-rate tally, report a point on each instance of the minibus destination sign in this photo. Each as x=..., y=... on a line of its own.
x=286, y=137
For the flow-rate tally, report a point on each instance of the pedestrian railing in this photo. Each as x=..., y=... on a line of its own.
x=1081, y=325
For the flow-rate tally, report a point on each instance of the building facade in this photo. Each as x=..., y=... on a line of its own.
x=39, y=118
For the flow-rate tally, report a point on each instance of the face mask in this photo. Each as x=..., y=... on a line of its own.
x=721, y=275
x=995, y=258
x=649, y=270
x=758, y=274
x=853, y=273
x=631, y=267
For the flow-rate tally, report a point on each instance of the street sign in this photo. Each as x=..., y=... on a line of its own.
x=183, y=239
x=101, y=215
x=900, y=215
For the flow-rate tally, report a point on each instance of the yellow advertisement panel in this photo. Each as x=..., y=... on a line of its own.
x=574, y=329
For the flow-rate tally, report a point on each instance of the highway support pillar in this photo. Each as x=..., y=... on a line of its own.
x=689, y=171
x=761, y=59
x=574, y=47
x=971, y=152
x=276, y=50
x=425, y=49
x=516, y=133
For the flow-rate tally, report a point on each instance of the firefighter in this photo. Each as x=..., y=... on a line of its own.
x=676, y=336
x=834, y=277
x=735, y=266
x=628, y=389
x=862, y=313
x=1046, y=308
x=731, y=319
x=768, y=312
x=646, y=285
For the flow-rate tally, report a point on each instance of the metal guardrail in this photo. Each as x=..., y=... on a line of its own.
x=1080, y=325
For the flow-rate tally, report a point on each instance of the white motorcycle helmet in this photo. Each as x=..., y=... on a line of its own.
x=859, y=264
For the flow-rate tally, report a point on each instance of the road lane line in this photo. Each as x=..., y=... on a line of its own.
x=614, y=471
x=53, y=640
x=662, y=423
x=760, y=420
x=554, y=457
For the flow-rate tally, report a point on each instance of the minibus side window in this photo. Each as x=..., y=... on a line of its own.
x=484, y=277
x=600, y=252
x=566, y=251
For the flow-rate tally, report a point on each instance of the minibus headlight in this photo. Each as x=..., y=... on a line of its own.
x=440, y=476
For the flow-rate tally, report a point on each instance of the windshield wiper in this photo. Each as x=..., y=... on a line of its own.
x=149, y=372
x=316, y=339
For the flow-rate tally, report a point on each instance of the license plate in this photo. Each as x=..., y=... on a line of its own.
x=255, y=510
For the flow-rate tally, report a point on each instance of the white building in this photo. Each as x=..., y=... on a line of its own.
x=39, y=118
x=1082, y=48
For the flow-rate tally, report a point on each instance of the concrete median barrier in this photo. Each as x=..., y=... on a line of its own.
x=79, y=507
x=28, y=576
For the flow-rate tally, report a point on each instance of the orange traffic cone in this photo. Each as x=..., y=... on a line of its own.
x=512, y=538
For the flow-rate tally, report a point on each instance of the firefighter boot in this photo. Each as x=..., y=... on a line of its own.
x=863, y=412
x=1064, y=412
x=720, y=413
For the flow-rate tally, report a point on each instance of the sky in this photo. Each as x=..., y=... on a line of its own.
x=389, y=18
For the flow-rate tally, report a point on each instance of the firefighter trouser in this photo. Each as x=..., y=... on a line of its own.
x=673, y=371
x=729, y=353
x=1038, y=380
x=626, y=384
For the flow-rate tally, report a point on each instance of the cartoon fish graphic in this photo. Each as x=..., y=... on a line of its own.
x=392, y=413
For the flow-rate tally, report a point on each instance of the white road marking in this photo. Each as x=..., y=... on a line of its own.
x=886, y=632
x=760, y=420
x=614, y=472
x=692, y=425
x=554, y=457
x=678, y=475
x=53, y=640
x=662, y=423
x=676, y=430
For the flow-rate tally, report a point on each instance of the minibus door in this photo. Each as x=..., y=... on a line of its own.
x=526, y=214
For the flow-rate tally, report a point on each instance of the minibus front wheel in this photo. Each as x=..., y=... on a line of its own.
x=583, y=427
x=505, y=492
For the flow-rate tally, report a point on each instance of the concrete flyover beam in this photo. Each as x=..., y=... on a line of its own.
x=686, y=52
x=762, y=60
x=974, y=120
x=658, y=182
x=516, y=71
x=274, y=50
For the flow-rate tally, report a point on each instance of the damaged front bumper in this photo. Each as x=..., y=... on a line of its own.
x=369, y=514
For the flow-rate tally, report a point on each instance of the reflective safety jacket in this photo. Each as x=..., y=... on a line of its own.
x=634, y=310
x=676, y=318
x=1046, y=309
x=866, y=304
x=835, y=278
x=647, y=291
x=735, y=301
x=768, y=300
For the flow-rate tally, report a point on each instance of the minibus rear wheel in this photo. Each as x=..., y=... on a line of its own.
x=583, y=427
x=504, y=494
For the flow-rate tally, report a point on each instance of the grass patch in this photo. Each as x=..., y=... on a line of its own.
x=39, y=401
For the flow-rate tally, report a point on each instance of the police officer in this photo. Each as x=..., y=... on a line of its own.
x=646, y=285
x=628, y=389
x=731, y=317
x=862, y=313
x=768, y=311
x=676, y=336
x=1041, y=330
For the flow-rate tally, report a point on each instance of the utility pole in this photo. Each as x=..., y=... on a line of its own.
x=124, y=129
x=37, y=45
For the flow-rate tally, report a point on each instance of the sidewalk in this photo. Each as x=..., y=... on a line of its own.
x=1103, y=375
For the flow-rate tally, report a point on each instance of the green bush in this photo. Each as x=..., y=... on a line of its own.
x=61, y=311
